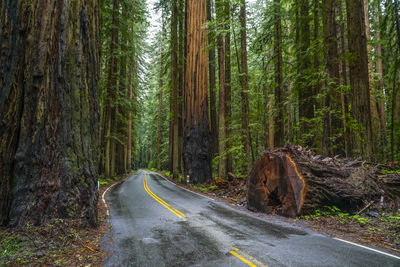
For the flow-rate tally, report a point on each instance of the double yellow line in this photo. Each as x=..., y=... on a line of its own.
x=161, y=201
x=248, y=260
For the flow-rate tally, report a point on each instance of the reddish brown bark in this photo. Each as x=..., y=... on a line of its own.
x=244, y=82
x=293, y=181
x=359, y=80
x=196, y=142
x=49, y=111
x=228, y=86
x=212, y=84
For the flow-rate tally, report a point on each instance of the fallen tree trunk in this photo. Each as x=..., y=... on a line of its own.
x=293, y=181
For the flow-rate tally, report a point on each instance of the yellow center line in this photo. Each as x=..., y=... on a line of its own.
x=235, y=253
x=161, y=201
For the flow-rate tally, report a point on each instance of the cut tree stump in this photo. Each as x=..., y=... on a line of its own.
x=294, y=181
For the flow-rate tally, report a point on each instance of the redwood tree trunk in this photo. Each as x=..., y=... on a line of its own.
x=175, y=85
x=379, y=70
x=196, y=142
x=213, y=98
x=359, y=92
x=49, y=110
x=332, y=122
x=279, y=127
x=244, y=78
x=111, y=96
x=373, y=103
x=228, y=86
x=221, y=71
x=305, y=91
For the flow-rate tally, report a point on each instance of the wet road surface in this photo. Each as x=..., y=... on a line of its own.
x=156, y=223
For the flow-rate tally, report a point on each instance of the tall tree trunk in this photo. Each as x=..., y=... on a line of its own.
x=331, y=121
x=359, y=85
x=373, y=102
x=379, y=70
x=175, y=85
x=212, y=83
x=305, y=91
x=196, y=142
x=395, y=121
x=160, y=95
x=129, y=130
x=120, y=145
x=49, y=111
x=244, y=79
x=111, y=95
x=279, y=120
x=290, y=109
x=228, y=98
x=181, y=63
x=221, y=71
x=344, y=81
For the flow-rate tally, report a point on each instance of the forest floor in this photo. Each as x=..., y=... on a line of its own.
x=58, y=243
x=381, y=232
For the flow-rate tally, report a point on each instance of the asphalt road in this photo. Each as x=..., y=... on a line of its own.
x=156, y=223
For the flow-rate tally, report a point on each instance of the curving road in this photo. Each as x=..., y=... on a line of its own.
x=156, y=223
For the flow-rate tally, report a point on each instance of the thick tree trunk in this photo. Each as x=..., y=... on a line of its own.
x=111, y=96
x=379, y=70
x=359, y=92
x=305, y=91
x=221, y=71
x=228, y=98
x=175, y=85
x=212, y=83
x=344, y=81
x=49, y=111
x=120, y=144
x=196, y=142
x=332, y=123
x=373, y=103
x=182, y=36
x=244, y=79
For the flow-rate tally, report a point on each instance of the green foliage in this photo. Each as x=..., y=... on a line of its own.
x=106, y=180
x=384, y=171
x=204, y=188
x=333, y=211
x=11, y=246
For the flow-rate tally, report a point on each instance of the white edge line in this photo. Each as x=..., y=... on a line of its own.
x=375, y=250
x=184, y=188
x=102, y=197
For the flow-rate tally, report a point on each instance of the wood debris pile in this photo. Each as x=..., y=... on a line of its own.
x=295, y=181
